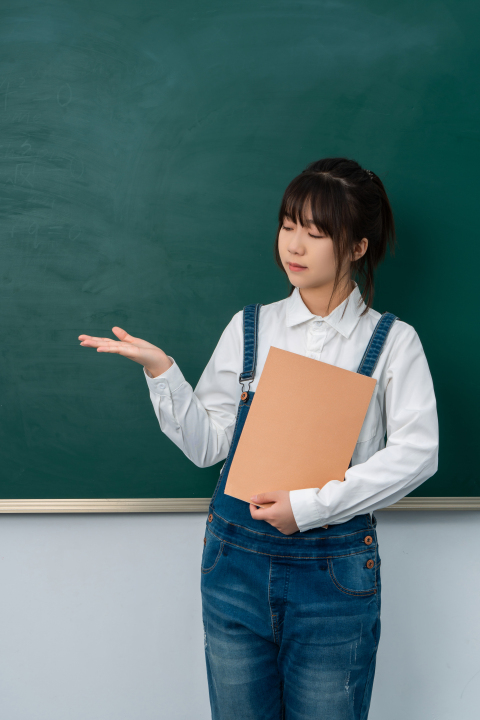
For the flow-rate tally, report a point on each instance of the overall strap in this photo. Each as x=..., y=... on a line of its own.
x=250, y=341
x=375, y=346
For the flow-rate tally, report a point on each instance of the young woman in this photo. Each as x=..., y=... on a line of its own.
x=291, y=593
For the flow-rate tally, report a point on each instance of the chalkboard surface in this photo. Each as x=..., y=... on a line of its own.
x=145, y=146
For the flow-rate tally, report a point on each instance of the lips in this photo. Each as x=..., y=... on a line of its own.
x=295, y=265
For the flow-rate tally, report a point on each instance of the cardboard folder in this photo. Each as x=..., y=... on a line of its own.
x=302, y=426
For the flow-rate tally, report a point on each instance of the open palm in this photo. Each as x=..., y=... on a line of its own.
x=136, y=349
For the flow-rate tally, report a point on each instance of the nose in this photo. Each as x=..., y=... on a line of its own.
x=295, y=245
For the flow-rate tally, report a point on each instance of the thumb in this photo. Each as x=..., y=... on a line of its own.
x=264, y=497
x=122, y=334
x=126, y=338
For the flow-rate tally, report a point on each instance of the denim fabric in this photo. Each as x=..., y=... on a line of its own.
x=372, y=352
x=291, y=628
x=291, y=622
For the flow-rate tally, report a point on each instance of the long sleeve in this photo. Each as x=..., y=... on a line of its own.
x=201, y=421
x=409, y=457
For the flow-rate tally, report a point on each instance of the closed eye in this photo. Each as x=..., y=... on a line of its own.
x=314, y=236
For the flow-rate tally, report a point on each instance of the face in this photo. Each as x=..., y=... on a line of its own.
x=311, y=249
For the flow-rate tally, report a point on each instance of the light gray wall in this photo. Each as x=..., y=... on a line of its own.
x=101, y=617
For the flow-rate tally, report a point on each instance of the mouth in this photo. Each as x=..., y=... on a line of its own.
x=294, y=266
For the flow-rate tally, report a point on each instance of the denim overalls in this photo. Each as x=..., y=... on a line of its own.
x=291, y=622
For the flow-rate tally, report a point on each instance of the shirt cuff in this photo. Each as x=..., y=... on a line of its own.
x=167, y=382
x=305, y=509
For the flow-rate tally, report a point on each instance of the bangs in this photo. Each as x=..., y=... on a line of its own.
x=328, y=194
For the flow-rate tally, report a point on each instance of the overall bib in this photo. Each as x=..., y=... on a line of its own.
x=291, y=622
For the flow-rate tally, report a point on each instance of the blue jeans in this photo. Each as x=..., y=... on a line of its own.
x=291, y=625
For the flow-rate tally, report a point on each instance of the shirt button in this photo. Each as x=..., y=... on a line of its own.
x=161, y=385
x=368, y=540
x=205, y=542
x=210, y=517
x=370, y=563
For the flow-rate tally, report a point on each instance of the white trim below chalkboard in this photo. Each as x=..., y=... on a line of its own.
x=130, y=505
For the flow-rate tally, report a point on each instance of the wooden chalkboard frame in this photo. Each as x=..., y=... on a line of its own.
x=131, y=505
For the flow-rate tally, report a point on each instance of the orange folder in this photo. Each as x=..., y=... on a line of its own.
x=302, y=426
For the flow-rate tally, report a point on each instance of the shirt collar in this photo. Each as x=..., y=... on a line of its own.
x=297, y=312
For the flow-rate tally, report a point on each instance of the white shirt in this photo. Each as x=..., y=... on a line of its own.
x=201, y=421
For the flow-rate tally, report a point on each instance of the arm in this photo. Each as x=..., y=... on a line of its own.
x=201, y=421
x=409, y=458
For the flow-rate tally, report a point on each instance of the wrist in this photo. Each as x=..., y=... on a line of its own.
x=156, y=370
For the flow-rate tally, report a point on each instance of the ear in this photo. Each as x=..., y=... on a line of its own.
x=360, y=248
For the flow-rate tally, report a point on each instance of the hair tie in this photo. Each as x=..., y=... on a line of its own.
x=372, y=175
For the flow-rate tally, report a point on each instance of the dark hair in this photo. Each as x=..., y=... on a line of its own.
x=347, y=203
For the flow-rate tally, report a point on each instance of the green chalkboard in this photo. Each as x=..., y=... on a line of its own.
x=145, y=146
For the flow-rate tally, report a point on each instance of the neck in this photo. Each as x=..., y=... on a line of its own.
x=317, y=298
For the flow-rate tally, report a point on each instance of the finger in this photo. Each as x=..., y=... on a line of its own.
x=258, y=512
x=266, y=497
x=119, y=348
x=123, y=335
x=92, y=337
x=95, y=342
x=89, y=338
x=263, y=506
x=254, y=511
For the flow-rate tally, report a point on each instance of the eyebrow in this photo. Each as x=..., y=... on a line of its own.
x=309, y=222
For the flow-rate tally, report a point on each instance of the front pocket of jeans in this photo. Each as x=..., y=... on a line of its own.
x=351, y=574
x=212, y=551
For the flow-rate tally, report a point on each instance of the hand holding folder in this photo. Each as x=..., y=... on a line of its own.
x=302, y=426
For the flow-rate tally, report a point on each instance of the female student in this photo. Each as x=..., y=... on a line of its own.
x=291, y=593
